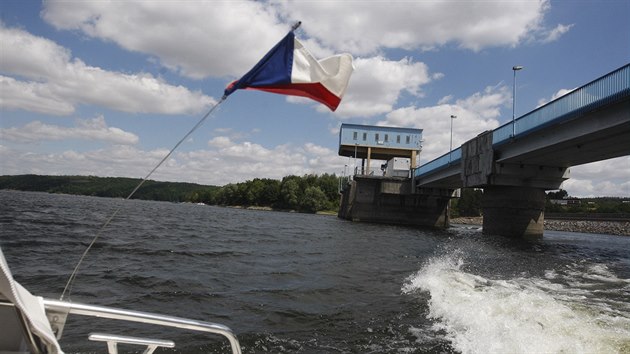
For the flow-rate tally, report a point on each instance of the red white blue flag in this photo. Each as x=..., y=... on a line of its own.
x=289, y=69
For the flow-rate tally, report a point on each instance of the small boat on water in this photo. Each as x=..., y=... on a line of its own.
x=32, y=324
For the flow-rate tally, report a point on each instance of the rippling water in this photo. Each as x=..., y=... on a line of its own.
x=315, y=284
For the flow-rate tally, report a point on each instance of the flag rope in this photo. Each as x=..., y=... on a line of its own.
x=71, y=279
x=68, y=287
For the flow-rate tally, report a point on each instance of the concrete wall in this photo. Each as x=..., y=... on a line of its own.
x=477, y=160
x=390, y=201
x=513, y=211
x=514, y=194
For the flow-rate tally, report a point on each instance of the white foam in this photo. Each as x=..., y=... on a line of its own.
x=520, y=315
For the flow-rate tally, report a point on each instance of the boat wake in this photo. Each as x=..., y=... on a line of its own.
x=560, y=312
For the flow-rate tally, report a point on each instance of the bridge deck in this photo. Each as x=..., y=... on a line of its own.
x=610, y=92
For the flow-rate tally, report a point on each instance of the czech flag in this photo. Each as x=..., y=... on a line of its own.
x=290, y=69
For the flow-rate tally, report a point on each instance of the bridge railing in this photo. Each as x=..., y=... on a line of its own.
x=601, y=91
x=372, y=171
x=442, y=161
x=606, y=89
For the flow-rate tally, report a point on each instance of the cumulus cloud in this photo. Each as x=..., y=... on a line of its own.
x=586, y=179
x=54, y=83
x=475, y=114
x=32, y=97
x=558, y=94
x=377, y=83
x=220, y=142
x=417, y=24
x=186, y=36
x=555, y=33
x=191, y=37
x=224, y=161
x=89, y=129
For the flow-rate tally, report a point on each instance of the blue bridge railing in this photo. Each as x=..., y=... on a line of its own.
x=440, y=162
x=608, y=88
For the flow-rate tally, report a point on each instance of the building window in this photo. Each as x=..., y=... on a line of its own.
x=354, y=135
x=376, y=136
x=386, y=138
x=408, y=139
x=397, y=139
x=364, y=136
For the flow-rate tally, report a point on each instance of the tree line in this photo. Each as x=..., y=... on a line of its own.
x=469, y=204
x=111, y=187
x=308, y=193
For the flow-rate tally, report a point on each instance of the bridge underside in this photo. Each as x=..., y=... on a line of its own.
x=530, y=155
x=598, y=135
x=515, y=173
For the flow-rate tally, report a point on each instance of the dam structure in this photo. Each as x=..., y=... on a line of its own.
x=514, y=164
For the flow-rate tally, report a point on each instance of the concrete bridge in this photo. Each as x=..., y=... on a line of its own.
x=517, y=162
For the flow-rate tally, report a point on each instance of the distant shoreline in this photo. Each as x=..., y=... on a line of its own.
x=619, y=228
x=267, y=208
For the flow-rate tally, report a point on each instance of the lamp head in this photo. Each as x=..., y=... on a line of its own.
x=453, y=116
x=517, y=67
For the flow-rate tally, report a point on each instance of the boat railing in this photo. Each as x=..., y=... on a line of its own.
x=57, y=311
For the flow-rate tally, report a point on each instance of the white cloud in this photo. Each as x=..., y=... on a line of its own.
x=475, y=114
x=417, y=24
x=554, y=34
x=377, y=83
x=56, y=84
x=558, y=94
x=220, y=142
x=225, y=161
x=586, y=180
x=31, y=96
x=190, y=37
x=231, y=134
x=89, y=129
x=197, y=39
x=445, y=99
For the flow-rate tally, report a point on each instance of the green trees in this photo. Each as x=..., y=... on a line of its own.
x=468, y=204
x=560, y=202
x=112, y=187
x=308, y=194
x=560, y=194
x=314, y=200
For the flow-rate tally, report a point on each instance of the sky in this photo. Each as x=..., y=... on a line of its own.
x=107, y=88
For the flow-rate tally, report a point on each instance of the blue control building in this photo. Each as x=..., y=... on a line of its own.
x=369, y=142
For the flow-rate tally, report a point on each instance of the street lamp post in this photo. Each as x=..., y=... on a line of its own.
x=451, y=147
x=514, y=69
x=355, y=158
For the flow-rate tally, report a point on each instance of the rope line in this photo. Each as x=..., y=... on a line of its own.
x=68, y=287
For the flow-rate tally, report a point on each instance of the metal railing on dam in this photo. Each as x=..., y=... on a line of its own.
x=599, y=92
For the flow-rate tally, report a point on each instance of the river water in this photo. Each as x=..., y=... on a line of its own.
x=298, y=283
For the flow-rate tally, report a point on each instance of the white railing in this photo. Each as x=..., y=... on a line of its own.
x=57, y=311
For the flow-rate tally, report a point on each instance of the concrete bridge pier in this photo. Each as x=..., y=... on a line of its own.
x=513, y=202
x=391, y=201
x=513, y=211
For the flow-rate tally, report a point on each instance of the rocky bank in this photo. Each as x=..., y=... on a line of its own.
x=621, y=228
